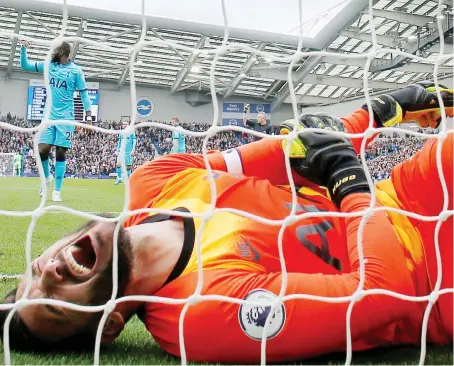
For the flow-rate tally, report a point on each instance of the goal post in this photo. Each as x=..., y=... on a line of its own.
x=7, y=164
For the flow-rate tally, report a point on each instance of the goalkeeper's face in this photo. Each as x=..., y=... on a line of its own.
x=76, y=269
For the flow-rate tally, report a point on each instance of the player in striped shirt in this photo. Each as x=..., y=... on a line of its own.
x=130, y=148
x=65, y=77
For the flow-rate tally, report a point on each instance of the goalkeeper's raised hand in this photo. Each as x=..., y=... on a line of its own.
x=324, y=158
x=414, y=103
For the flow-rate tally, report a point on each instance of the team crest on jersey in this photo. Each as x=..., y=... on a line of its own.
x=252, y=318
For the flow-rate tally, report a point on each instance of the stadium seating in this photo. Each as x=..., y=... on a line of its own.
x=93, y=155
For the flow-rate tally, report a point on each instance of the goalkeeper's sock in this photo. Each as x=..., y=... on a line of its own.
x=119, y=173
x=60, y=168
x=129, y=172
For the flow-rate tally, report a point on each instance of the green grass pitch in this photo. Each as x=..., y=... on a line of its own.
x=135, y=346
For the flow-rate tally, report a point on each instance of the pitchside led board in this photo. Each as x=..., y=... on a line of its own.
x=36, y=101
x=232, y=113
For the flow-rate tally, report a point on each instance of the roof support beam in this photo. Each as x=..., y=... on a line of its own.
x=277, y=84
x=14, y=44
x=80, y=31
x=186, y=69
x=123, y=76
x=244, y=70
x=311, y=99
x=171, y=47
x=400, y=16
x=303, y=71
x=430, y=40
x=51, y=31
x=104, y=60
x=361, y=62
x=343, y=19
x=328, y=80
x=125, y=71
x=317, y=42
x=119, y=34
x=387, y=41
x=448, y=49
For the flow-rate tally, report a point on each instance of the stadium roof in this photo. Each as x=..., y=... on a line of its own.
x=408, y=25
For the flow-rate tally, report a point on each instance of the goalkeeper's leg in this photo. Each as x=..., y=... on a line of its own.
x=418, y=187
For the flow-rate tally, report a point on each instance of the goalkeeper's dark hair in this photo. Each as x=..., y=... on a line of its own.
x=22, y=339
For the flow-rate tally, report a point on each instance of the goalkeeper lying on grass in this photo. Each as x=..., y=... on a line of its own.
x=240, y=256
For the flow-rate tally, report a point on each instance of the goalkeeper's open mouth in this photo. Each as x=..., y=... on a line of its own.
x=81, y=256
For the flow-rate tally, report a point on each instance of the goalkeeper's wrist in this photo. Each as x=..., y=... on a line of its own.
x=386, y=110
x=377, y=119
x=346, y=181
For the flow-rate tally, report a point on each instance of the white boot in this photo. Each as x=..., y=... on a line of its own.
x=56, y=197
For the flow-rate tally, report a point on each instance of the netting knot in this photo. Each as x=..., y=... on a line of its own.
x=358, y=296
x=445, y=215
x=372, y=53
x=110, y=306
x=368, y=213
x=433, y=297
x=193, y=299
x=20, y=304
x=37, y=213
x=208, y=215
x=290, y=219
x=369, y=133
x=128, y=130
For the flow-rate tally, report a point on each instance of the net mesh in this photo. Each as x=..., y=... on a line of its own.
x=224, y=48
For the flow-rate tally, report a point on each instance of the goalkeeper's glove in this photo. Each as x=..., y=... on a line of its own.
x=325, y=159
x=414, y=103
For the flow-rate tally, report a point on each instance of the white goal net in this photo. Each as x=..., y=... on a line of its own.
x=226, y=47
x=6, y=164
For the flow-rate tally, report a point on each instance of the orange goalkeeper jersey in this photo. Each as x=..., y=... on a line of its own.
x=240, y=259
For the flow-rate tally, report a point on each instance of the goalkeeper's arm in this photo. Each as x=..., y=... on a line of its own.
x=415, y=103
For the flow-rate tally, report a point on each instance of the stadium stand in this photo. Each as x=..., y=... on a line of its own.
x=92, y=155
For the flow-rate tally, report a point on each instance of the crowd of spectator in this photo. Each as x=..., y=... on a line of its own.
x=385, y=153
x=93, y=153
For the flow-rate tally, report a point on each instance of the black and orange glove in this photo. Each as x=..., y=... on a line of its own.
x=323, y=158
x=414, y=103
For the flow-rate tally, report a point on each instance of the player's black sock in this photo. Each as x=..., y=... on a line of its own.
x=45, y=162
x=43, y=156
